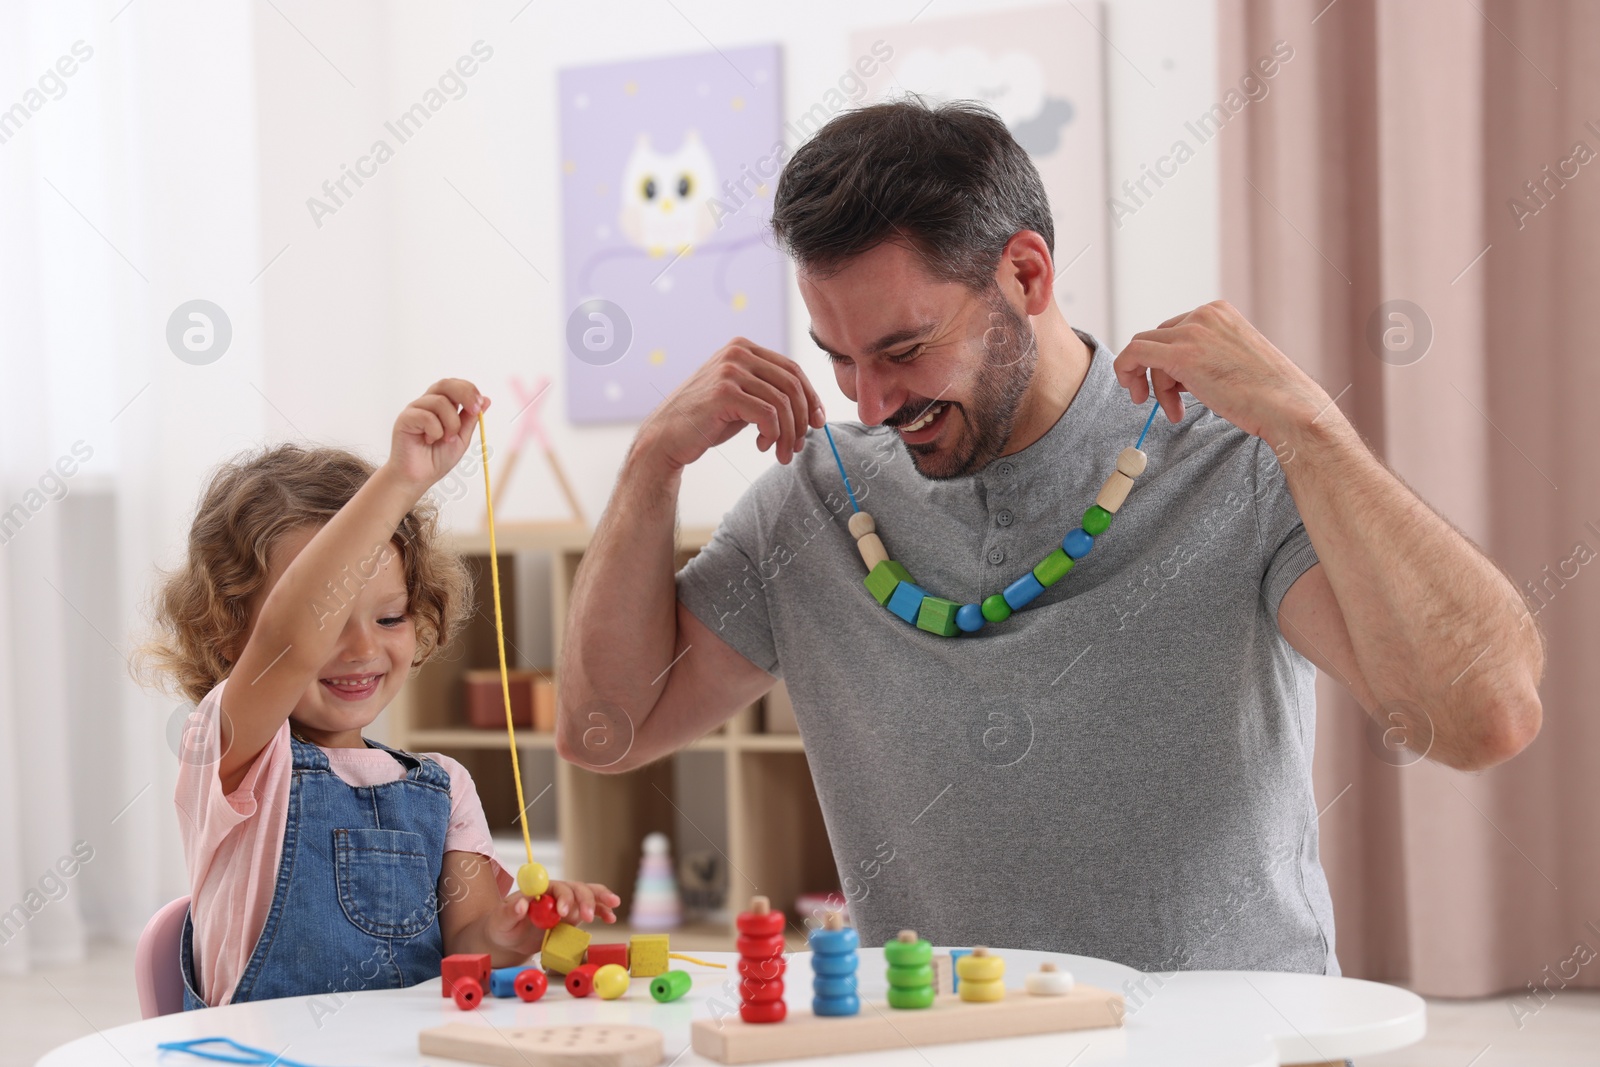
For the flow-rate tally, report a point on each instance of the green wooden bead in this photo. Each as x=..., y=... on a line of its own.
x=1096, y=521
x=995, y=608
x=911, y=977
x=884, y=577
x=908, y=953
x=938, y=616
x=1053, y=568
x=911, y=998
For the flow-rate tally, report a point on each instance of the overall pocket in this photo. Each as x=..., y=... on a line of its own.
x=387, y=881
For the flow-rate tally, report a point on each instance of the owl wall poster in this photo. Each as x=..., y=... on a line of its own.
x=668, y=167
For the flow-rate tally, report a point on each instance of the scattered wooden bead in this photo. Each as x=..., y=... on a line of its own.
x=467, y=993
x=503, y=981
x=1114, y=492
x=610, y=981
x=669, y=986
x=580, y=980
x=564, y=948
x=463, y=967
x=647, y=955
x=600, y=955
x=1048, y=981
x=1131, y=461
x=531, y=984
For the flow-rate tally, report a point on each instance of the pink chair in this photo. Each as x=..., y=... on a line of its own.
x=157, y=970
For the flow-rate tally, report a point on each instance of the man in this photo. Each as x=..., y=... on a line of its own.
x=1123, y=768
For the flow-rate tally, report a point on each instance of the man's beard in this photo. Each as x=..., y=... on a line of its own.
x=1010, y=356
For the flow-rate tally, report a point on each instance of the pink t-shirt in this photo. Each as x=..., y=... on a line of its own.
x=232, y=842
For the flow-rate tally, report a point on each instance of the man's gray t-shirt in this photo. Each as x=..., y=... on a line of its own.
x=1123, y=768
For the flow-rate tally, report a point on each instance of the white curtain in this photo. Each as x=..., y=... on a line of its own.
x=128, y=186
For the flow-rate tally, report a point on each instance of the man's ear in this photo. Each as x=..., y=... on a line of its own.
x=1027, y=272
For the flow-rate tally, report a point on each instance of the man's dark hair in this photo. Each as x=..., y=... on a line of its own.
x=949, y=179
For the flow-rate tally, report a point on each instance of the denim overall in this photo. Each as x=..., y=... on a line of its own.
x=356, y=903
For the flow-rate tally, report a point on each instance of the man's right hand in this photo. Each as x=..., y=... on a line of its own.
x=742, y=384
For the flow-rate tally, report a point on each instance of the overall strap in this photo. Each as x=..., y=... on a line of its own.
x=418, y=768
x=308, y=757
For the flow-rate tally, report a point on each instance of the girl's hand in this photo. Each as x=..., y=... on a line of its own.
x=581, y=901
x=434, y=431
x=507, y=927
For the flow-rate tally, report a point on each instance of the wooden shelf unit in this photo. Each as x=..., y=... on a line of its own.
x=776, y=842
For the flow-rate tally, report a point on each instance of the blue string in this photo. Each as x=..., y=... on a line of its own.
x=257, y=1056
x=840, y=462
x=1153, y=409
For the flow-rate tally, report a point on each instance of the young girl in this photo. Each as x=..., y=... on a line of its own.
x=320, y=861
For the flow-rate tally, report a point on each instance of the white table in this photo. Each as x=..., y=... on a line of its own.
x=1202, y=1018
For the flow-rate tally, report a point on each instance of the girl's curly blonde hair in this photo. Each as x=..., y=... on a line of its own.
x=202, y=608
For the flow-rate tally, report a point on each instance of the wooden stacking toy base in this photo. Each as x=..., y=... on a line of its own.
x=730, y=1040
x=589, y=1045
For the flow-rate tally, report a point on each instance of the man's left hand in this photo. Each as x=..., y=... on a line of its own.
x=1215, y=354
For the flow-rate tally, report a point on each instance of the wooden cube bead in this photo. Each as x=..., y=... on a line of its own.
x=1114, y=492
x=872, y=550
x=564, y=948
x=884, y=578
x=647, y=955
x=938, y=616
x=906, y=601
x=601, y=955
x=1131, y=461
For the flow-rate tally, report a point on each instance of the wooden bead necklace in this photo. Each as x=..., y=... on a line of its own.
x=890, y=583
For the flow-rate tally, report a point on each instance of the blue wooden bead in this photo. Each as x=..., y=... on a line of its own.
x=503, y=980
x=835, y=966
x=835, y=1005
x=1077, y=544
x=970, y=618
x=1020, y=593
x=835, y=942
x=906, y=601
x=842, y=986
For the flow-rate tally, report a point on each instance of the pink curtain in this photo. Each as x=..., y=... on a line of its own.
x=1446, y=153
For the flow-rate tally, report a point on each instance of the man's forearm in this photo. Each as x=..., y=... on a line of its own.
x=1431, y=620
x=622, y=620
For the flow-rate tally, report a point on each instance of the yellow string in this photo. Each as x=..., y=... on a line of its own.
x=500, y=639
x=691, y=959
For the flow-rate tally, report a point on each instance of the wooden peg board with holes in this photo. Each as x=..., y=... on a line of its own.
x=878, y=1026
x=589, y=1045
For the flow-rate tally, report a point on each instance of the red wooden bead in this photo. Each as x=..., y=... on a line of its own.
x=600, y=955
x=542, y=912
x=760, y=947
x=580, y=983
x=767, y=1011
x=531, y=984
x=764, y=970
x=474, y=965
x=752, y=991
x=766, y=925
x=468, y=993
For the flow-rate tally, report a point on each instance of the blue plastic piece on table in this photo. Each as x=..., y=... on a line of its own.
x=835, y=966
x=1077, y=544
x=503, y=981
x=955, y=973
x=1020, y=593
x=969, y=617
x=906, y=601
x=835, y=1006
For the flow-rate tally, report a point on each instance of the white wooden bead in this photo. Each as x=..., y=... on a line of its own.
x=862, y=524
x=1131, y=461
x=872, y=550
x=1114, y=492
x=1048, y=983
